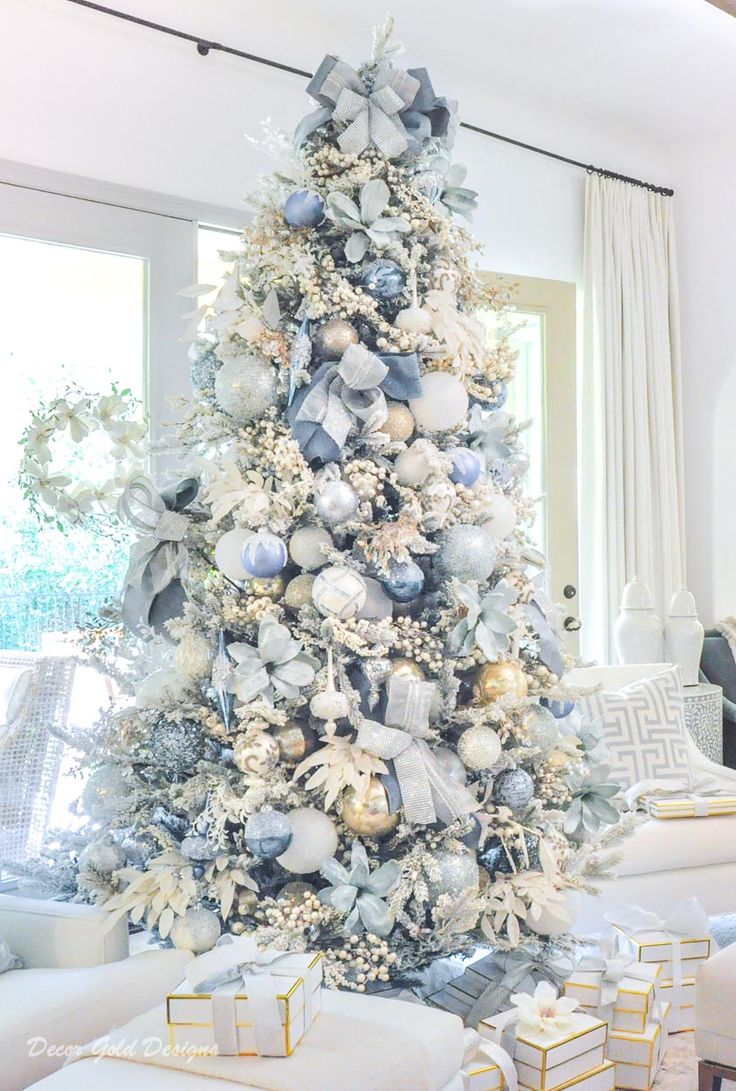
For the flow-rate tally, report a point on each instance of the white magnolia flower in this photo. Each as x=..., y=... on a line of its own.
x=366, y=220
x=38, y=435
x=125, y=472
x=44, y=483
x=126, y=437
x=230, y=490
x=277, y=667
x=544, y=1013
x=109, y=407
x=74, y=416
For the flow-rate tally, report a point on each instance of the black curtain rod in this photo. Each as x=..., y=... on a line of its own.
x=205, y=46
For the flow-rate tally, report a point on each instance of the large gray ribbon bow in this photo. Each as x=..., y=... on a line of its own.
x=369, y=108
x=350, y=394
x=153, y=591
x=428, y=794
x=233, y=966
x=429, y=114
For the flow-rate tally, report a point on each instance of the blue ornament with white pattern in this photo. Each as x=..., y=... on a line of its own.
x=559, y=709
x=264, y=555
x=404, y=582
x=304, y=208
x=384, y=279
x=465, y=467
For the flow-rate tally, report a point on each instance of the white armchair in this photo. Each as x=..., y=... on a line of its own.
x=665, y=861
x=77, y=983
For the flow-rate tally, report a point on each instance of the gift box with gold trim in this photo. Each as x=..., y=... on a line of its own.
x=634, y=1003
x=548, y=1063
x=682, y=1016
x=689, y=806
x=656, y=946
x=638, y=1056
x=299, y=995
x=488, y=1077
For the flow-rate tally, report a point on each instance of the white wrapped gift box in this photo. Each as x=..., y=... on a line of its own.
x=191, y=1019
x=547, y=1063
x=656, y=946
x=638, y=1056
x=634, y=1003
x=682, y=1015
x=489, y=1078
x=689, y=806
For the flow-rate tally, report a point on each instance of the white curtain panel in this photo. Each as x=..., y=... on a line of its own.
x=631, y=424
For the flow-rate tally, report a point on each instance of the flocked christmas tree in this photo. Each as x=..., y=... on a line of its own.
x=348, y=731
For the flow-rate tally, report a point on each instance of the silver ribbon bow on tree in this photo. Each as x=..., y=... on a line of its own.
x=239, y=966
x=613, y=966
x=369, y=106
x=153, y=592
x=350, y=394
x=428, y=794
x=429, y=114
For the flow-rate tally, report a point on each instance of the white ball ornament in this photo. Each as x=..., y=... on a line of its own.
x=245, y=387
x=103, y=857
x=229, y=552
x=500, y=514
x=314, y=841
x=443, y=403
x=412, y=466
x=414, y=319
x=339, y=591
x=337, y=502
x=556, y=918
x=306, y=547
x=479, y=747
x=197, y=930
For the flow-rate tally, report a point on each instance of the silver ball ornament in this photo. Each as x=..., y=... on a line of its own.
x=103, y=856
x=197, y=930
x=384, y=279
x=451, y=764
x=513, y=788
x=541, y=729
x=176, y=746
x=467, y=552
x=245, y=387
x=458, y=871
x=479, y=747
x=106, y=795
x=204, y=369
x=268, y=834
x=196, y=847
x=404, y=581
x=337, y=502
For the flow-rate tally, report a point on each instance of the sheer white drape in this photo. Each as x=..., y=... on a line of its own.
x=631, y=437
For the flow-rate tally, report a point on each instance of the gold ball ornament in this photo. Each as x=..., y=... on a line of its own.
x=299, y=591
x=255, y=755
x=367, y=813
x=406, y=668
x=494, y=680
x=293, y=894
x=296, y=741
x=332, y=338
x=272, y=588
x=399, y=424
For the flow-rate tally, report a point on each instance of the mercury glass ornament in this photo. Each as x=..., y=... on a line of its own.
x=307, y=545
x=264, y=555
x=203, y=370
x=272, y=588
x=106, y=794
x=443, y=403
x=255, y=755
x=296, y=740
x=338, y=591
x=268, y=834
x=314, y=840
x=197, y=930
x=337, y=502
x=513, y=788
x=384, y=279
x=376, y=671
x=500, y=516
x=333, y=338
x=479, y=747
x=458, y=872
x=229, y=553
x=104, y=857
x=304, y=208
x=399, y=423
x=367, y=813
x=176, y=746
x=299, y=591
x=412, y=466
x=451, y=764
x=414, y=319
x=293, y=894
x=404, y=581
x=559, y=709
x=466, y=552
x=494, y=680
x=402, y=667
x=197, y=847
x=245, y=387
x=541, y=729
x=465, y=467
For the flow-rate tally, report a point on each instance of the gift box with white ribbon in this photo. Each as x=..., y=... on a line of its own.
x=638, y=1057
x=551, y=1062
x=689, y=806
x=625, y=1000
x=682, y=1015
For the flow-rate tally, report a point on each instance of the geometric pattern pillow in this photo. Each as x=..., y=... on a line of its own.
x=643, y=729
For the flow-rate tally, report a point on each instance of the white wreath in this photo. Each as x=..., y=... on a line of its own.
x=53, y=494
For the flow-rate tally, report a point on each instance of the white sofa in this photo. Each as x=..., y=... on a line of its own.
x=77, y=983
x=666, y=861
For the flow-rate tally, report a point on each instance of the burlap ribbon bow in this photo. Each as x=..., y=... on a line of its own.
x=153, y=592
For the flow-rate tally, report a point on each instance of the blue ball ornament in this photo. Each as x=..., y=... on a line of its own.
x=559, y=709
x=268, y=834
x=264, y=555
x=498, y=395
x=304, y=208
x=465, y=467
x=404, y=582
x=384, y=279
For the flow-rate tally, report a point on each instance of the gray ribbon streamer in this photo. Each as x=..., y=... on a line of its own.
x=368, y=108
x=152, y=591
x=429, y=114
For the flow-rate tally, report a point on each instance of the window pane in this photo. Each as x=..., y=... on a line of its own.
x=211, y=242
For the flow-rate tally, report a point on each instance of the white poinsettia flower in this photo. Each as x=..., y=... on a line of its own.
x=109, y=407
x=126, y=437
x=545, y=1012
x=229, y=489
x=74, y=416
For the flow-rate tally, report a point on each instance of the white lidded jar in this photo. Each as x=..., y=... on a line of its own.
x=637, y=631
x=684, y=636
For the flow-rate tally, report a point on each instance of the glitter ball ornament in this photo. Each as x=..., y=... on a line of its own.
x=193, y=656
x=103, y=857
x=500, y=516
x=245, y=387
x=377, y=605
x=272, y=588
x=403, y=667
x=559, y=709
x=443, y=403
x=255, y=755
x=399, y=423
x=106, y=794
x=412, y=466
x=229, y=553
x=384, y=279
x=264, y=555
x=513, y=788
x=466, y=552
x=367, y=813
x=314, y=840
x=494, y=680
x=451, y=764
x=329, y=705
x=304, y=208
x=299, y=591
x=541, y=729
x=176, y=747
x=293, y=894
x=479, y=747
x=203, y=370
x=337, y=502
x=268, y=834
x=458, y=872
x=196, y=847
x=197, y=930
x=307, y=545
x=465, y=467
x=414, y=319
x=338, y=591
x=404, y=581
x=296, y=741
x=333, y=338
